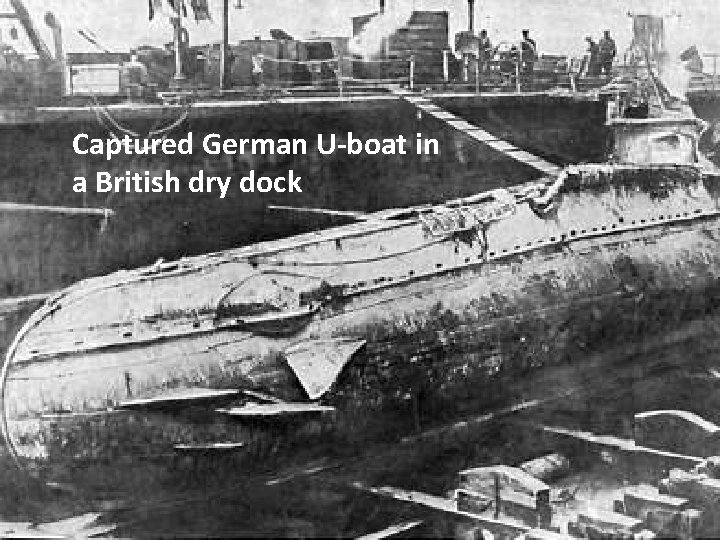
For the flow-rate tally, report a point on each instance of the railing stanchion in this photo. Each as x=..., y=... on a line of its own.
x=340, y=74
x=446, y=67
x=412, y=72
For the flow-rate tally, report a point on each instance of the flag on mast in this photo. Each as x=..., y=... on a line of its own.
x=166, y=8
x=153, y=7
x=174, y=9
x=201, y=10
x=178, y=7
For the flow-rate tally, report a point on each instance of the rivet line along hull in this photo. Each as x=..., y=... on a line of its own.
x=454, y=302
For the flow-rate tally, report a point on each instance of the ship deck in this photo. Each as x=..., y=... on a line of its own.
x=203, y=107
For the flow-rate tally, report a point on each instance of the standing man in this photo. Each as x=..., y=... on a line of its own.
x=257, y=70
x=528, y=48
x=592, y=68
x=484, y=50
x=134, y=77
x=608, y=51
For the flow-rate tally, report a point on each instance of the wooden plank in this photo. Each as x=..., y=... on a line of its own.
x=460, y=123
x=484, y=480
x=482, y=135
x=625, y=445
x=446, y=506
x=98, y=531
x=254, y=410
x=477, y=421
x=542, y=534
x=639, y=500
x=444, y=115
x=71, y=527
x=209, y=448
x=322, y=211
x=30, y=533
x=479, y=134
x=522, y=155
x=8, y=526
x=18, y=301
x=64, y=210
x=609, y=520
x=186, y=396
x=545, y=167
x=262, y=396
x=73, y=416
x=391, y=531
x=501, y=146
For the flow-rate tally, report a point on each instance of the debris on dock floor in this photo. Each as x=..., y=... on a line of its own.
x=391, y=531
x=256, y=410
x=600, y=498
x=85, y=526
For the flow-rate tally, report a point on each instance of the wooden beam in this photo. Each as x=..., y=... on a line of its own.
x=611, y=442
x=391, y=531
x=181, y=397
x=66, y=210
x=274, y=410
x=359, y=216
x=446, y=507
x=209, y=448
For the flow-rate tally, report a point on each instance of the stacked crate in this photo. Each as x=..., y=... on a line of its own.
x=512, y=493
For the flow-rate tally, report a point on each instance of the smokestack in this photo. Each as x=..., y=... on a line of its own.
x=382, y=6
x=471, y=15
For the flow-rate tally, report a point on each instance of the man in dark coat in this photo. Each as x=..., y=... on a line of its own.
x=528, y=48
x=485, y=49
x=608, y=51
x=593, y=67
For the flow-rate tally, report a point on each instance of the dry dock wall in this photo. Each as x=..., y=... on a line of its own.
x=42, y=252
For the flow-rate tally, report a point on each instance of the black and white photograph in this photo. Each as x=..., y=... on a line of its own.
x=366, y=269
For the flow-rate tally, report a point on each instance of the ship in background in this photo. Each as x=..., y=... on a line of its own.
x=265, y=354
x=51, y=237
x=526, y=276
x=496, y=134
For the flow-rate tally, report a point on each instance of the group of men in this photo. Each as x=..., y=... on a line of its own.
x=600, y=55
x=599, y=60
x=527, y=54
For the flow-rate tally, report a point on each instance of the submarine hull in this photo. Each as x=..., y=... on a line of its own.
x=409, y=312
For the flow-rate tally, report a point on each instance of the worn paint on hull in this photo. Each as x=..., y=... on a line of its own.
x=450, y=305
